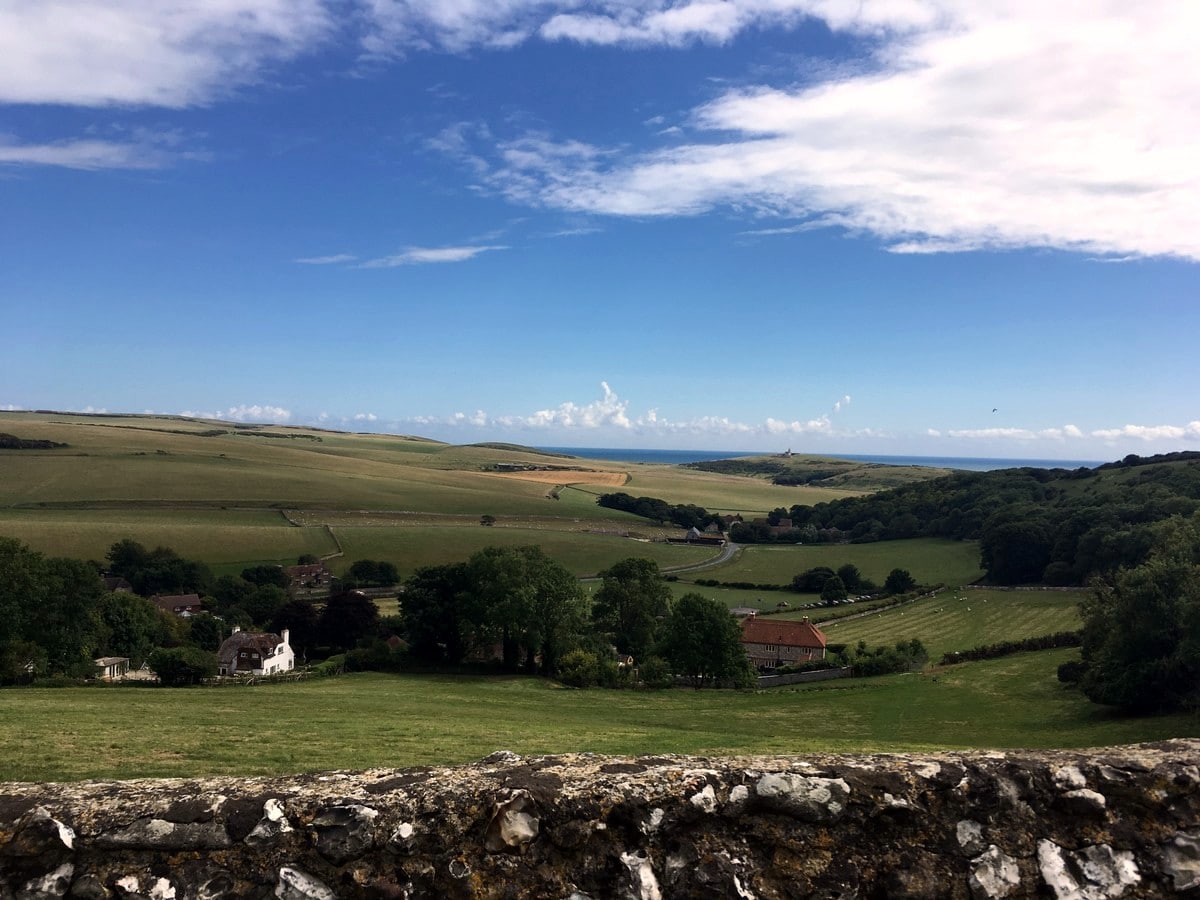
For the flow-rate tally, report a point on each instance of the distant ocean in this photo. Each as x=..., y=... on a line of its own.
x=677, y=457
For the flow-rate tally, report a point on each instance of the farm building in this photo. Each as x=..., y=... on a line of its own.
x=184, y=605
x=111, y=668
x=771, y=643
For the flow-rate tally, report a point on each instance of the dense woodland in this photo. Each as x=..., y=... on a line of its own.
x=1051, y=526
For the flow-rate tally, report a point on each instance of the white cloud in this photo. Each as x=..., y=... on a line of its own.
x=1126, y=433
x=458, y=25
x=10, y=407
x=453, y=25
x=1014, y=123
x=1189, y=432
x=85, y=153
x=172, y=53
x=366, y=417
x=326, y=260
x=245, y=413
x=419, y=255
x=609, y=413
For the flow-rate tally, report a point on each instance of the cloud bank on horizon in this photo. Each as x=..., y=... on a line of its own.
x=608, y=419
x=1066, y=125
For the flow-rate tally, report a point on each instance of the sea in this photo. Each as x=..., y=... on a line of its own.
x=678, y=457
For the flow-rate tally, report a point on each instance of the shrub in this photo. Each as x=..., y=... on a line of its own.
x=906, y=656
x=335, y=665
x=1007, y=648
x=179, y=666
x=1071, y=672
x=579, y=668
x=655, y=673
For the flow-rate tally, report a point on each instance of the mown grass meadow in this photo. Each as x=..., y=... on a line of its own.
x=365, y=720
x=961, y=620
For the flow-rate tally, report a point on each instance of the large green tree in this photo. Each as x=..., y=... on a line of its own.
x=437, y=615
x=157, y=571
x=558, y=610
x=502, y=592
x=1141, y=636
x=347, y=618
x=631, y=603
x=133, y=626
x=53, y=604
x=834, y=591
x=703, y=642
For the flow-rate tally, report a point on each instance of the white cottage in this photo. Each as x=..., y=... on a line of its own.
x=255, y=653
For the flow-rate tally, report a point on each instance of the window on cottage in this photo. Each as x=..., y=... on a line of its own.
x=771, y=648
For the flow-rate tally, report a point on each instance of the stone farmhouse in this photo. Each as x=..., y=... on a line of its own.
x=255, y=653
x=771, y=642
x=314, y=577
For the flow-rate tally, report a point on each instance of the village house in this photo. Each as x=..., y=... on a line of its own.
x=184, y=605
x=310, y=577
x=255, y=653
x=771, y=642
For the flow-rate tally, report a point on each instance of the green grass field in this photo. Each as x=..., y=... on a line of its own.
x=395, y=720
x=584, y=554
x=930, y=560
x=961, y=620
x=219, y=537
x=153, y=477
x=717, y=493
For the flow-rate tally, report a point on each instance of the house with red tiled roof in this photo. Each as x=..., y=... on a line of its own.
x=184, y=605
x=771, y=642
x=255, y=653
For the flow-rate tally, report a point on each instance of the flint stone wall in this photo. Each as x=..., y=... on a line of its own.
x=1085, y=825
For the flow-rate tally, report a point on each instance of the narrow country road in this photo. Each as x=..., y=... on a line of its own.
x=727, y=553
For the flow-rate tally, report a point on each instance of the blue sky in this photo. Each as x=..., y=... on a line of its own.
x=906, y=226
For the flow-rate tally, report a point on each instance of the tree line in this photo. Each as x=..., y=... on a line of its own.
x=538, y=616
x=1054, y=526
x=57, y=615
x=512, y=607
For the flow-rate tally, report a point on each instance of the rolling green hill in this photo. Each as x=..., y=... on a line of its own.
x=232, y=494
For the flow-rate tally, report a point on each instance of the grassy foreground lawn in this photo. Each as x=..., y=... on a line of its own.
x=930, y=560
x=368, y=720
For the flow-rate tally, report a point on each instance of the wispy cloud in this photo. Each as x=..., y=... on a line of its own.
x=245, y=413
x=326, y=260
x=1189, y=432
x=1144, y=433
x=169, y=53
x=980, y=126
x=415, y=256
x=85, y=154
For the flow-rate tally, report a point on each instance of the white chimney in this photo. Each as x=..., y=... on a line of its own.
x=284, y=635
x=236, y=629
